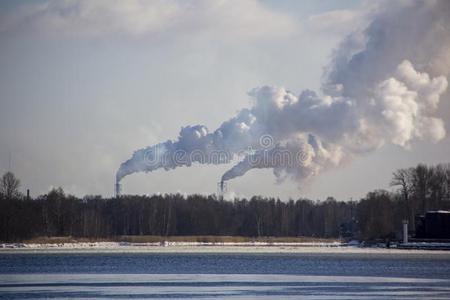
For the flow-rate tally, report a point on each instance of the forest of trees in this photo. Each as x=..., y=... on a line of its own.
x=377, y=216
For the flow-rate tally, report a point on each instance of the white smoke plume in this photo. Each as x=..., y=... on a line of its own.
x=382, y=86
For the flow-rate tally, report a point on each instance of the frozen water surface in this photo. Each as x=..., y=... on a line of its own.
x=225, y=276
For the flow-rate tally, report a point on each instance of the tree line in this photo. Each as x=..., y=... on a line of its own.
x=377, y=216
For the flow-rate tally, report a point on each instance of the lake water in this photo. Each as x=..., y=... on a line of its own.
x=225, y=276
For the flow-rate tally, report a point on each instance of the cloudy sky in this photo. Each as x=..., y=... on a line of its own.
x=83, y=84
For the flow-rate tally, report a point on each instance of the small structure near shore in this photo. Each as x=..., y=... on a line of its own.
x=405, y=231
x=433, y=225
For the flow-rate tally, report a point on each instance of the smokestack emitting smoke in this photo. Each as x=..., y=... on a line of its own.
x=382, y=86
x=117, y=189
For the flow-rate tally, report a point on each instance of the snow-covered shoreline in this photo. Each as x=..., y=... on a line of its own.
x=202, y=247
x=166, y=244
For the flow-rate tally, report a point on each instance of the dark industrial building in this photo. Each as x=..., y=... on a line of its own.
x=433, y=225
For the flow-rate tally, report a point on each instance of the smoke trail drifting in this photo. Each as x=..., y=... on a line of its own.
x=373, y=94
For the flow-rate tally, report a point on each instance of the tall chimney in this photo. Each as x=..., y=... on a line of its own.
x=221, y=188
x=117, y=189
x=28, y=194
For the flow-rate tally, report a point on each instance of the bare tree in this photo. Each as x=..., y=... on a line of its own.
x=9, y=185
x=438, y=182
x=421, y=184
x=402, y=178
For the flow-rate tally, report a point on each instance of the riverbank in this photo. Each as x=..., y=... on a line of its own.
x=210, y=244
x=160, y=243
x=186, y=247
x=158, y=239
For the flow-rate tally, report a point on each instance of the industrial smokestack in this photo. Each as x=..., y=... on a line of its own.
x=117, y=189
x=221, y=188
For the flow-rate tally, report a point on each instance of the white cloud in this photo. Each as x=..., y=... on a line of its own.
x=94, y=18
x=408, y=102
x=338, y=22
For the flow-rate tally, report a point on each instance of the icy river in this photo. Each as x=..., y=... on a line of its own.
x=343, y=275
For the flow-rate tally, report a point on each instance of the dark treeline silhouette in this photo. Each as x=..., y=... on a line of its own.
x=377, y=216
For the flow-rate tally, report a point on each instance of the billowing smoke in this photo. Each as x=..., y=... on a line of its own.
x=382, y=86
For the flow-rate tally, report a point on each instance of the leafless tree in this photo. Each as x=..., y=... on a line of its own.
x=402, y=179
x=9, y=186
